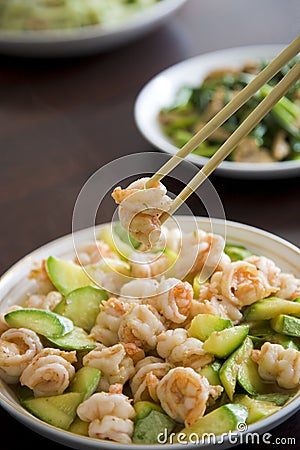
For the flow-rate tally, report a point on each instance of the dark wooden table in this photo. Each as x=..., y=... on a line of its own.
x=57, y=126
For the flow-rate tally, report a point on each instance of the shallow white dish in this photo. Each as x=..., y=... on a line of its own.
x=160, y=92
x=89, y=39
x=14, y=285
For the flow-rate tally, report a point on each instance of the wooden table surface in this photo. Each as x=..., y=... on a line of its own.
x=58, y=121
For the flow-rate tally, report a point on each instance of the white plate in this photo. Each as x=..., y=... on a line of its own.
x=14, y=285
x=89, y=39
x=160, y=92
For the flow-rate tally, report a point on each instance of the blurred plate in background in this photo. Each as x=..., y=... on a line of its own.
x=160, y=92
x=88, y=39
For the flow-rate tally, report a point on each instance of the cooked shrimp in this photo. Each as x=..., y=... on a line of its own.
x=210, y=302
x=276, y=363
x=173, y=238
x=148, y=360
x=3, y=324
x=112, y=428
x=140, y=209
x=141, y=325
x=41, y=301
x=210, y=253
x=242, y=283
x=171, y=297
x=148, y=265
x=145, y=228
x=40, y=275
x=101, y=404
x=201, y=252
x=268, y=268
x=139, y=289
x=289, y=286
x=93, y=253
x=184, y=394
x=178, y=349
x=111, y=282
x=18, y=347
x=146, y=379
x=110, y=415
x=217, y=307
x=115, y=364
x=50, y=372
x=207, y=307
x=108, y=321
x=174, y=299
x=135, y=353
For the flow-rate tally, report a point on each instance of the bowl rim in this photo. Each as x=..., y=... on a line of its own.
x=160, y=141
x=69, y=438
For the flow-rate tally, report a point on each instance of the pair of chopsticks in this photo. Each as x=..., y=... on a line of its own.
x=243, y=130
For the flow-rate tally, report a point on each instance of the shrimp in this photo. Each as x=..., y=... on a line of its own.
x=140, y=209
x=242, y=283
x=178, y=349
x=139, y=289
x=148, y=265
x=207, y=291
x=145, y=228
x=111, y=282
x=93, y=253
x=110, y=415
x=115, y=364
x=276, y=363
x=108, y=321
x=217, y=306
x=40, y=275
x=210, y=302
x=141, y=325
x=112, y=428
x=135, y=353
x=146, y=379
x=102, y=404
x=267, y=267
x=289, y=286
x=210, y=255
x=201, y=252
x=50, y=372
x=184, y=394
x=18, y=347
x=171, y=297
x=42, y=301
x=3, y=324
x=173, y=238
x=174, y=299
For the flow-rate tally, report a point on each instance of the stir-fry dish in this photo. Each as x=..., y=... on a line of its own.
x=136, y=346
x=276, y=138
x=62, y=14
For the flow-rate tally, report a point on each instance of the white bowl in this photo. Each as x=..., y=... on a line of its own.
x=160, y=92
x=89, y=39
x=14, y=285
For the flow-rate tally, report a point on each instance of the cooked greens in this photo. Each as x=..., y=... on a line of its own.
x=275, y=138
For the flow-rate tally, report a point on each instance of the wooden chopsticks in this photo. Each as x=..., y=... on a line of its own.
x=252, y=120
